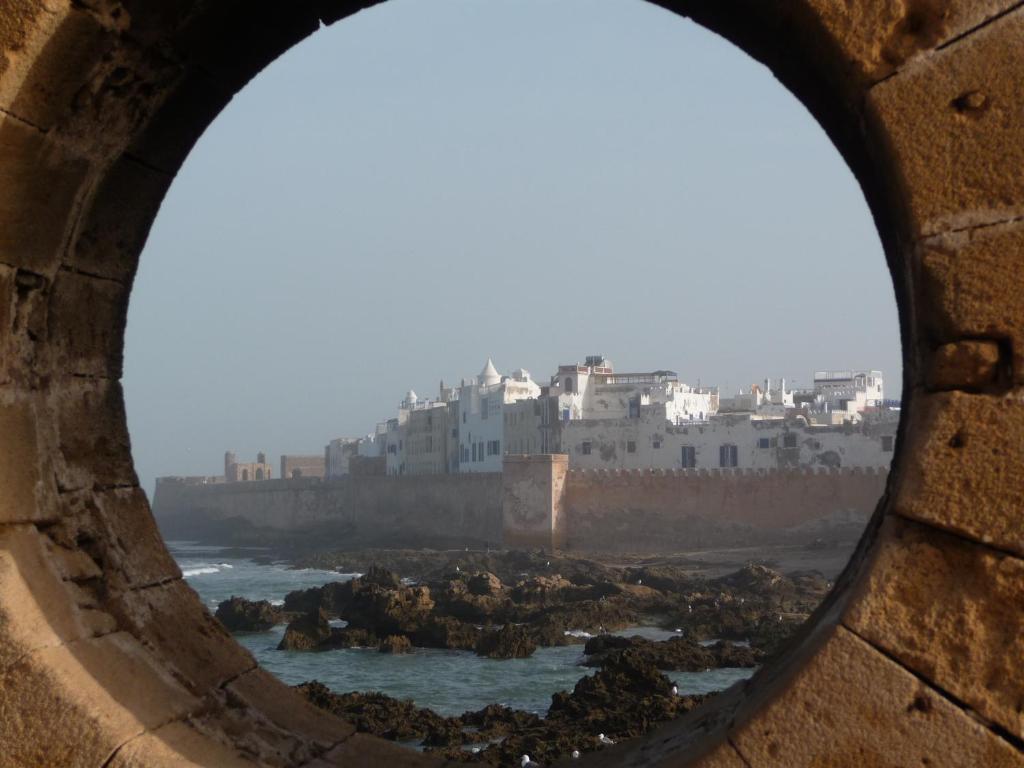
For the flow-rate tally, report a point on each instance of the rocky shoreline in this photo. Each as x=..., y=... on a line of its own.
x=506, y=605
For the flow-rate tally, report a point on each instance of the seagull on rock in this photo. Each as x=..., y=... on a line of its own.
x=575, y=754
x=526, y=762
x=604, y=739
x=675, y=690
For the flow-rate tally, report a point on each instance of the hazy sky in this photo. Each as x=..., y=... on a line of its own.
x=429, y=183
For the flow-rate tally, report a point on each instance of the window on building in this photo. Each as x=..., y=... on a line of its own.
x=568, y=385
x=630, y=446
x=887, y=441
x=728, y=455
x=764, y=442
x=483, y=408
x=566, y=414
x=474, y=451
x=585, y=448
x=463, y=417
x=656, y=443
x=689, y=457
x=430, y=443
x=634, y=407
x=480, y=451
x=494, y=448
x=789, y=440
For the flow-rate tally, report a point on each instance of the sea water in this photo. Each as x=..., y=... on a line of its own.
x=448, y=682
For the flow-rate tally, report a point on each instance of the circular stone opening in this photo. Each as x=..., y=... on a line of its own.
x=100, y=104
x=518, y=206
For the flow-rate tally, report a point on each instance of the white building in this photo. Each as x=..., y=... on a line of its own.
x=741, y=441
x=595, y=391
x=337, y=454
x=481, y=420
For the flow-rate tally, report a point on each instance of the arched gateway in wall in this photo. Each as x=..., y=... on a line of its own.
x=107, y=658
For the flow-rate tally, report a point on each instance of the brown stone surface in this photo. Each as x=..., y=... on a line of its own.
x=60, y=48
x=850, y=705
x=34, y=608
x=74, y=704
x=116, y=218
x=960, y=455
x=19, y=464
x=93, y=444
x=938, y=145
x=39, y=183
x=953, y=612
x=964, y=365
x=93, y=348
x=367, y=750
x=955, y=124
x=177, y=745
x=265, y=693
x=880, y=36
x=971, y=287
x=170, y=620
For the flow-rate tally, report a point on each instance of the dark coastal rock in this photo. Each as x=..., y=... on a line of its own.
x=240, y=615
x=388, y=611
x=350, y=637
x=444, y=632
x=623, y=699
x=306, y=633
x=588, y=615
x=678, y=653
x=509, y=642
x=395, y=644
x=485, y=584
x=376, y=713
x=381, y=577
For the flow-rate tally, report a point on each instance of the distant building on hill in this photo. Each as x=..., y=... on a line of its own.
x=234, y=472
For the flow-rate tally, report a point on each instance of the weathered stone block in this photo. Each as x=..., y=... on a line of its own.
x=170, y=134
x=950, y=610
x=7, y=314
x=288, y=710
x=74, y=704
x=87, y=317
x=117, y=529
x=92, y=435
x=171, y=620
x=35, y=608
x=59, y=48
x=880, y=36
x=22, y=497
x=961, y=463
x=39, y=183
x=367, y=750
x=964, y=365
x=970, y=286
x=177, y=745
x=116, y=220
x=850, y=705
x=954, y=121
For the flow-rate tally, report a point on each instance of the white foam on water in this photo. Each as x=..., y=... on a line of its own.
x=199, y=571
x=578, y=633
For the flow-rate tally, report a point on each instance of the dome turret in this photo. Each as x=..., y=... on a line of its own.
x=489, y=375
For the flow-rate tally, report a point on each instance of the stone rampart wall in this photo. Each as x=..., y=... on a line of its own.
x=660, y=510
x=396, y=511
x=584, y=510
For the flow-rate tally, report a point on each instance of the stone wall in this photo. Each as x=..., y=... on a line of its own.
x=533, y=501
x=422, y=510
x=669, y=510
x=537, y=502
